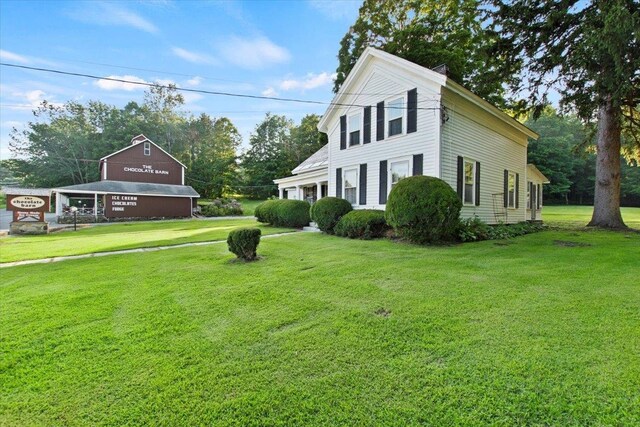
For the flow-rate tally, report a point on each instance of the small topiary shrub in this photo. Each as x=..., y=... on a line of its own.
x=283, y=213
x=362, y=224
x=424, y=209
x=327, y=212
x=244, y=242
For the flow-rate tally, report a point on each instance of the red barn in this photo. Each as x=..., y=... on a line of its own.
x=139, y=181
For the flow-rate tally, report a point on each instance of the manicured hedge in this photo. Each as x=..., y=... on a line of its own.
x=283, y=213
x=362, y=224
x=327, y=211
x=424, y=209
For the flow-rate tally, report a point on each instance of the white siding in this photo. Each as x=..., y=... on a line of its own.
x=472, y=133
x=381, y=82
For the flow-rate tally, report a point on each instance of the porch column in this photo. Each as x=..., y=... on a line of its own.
x=281, y=190
x=95, y=206
x=318, y=190
x=299, y=192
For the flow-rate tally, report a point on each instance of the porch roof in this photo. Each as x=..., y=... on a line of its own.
x=136, y=188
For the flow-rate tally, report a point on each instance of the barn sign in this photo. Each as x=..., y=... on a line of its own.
x=28, y=206
x=28, y=202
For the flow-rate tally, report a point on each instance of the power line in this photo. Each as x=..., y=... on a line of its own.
x=201, y=91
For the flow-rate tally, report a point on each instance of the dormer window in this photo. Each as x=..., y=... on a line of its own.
x=395, y=108
x=147, y=149
x=355, y=124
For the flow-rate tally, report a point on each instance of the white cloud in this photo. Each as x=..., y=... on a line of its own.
x=117, y=85
x=31, y=100
x=311, y=81
x=102, y=13
x=191, y=98
x=165, y=82
x=5, y=55
x=253, y=53
x=270, y=92
x=194, y=81
x=194, y=57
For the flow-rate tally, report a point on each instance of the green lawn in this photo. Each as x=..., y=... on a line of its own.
x=579, y=216
x=538, y=330
x=112, y=237
x=249, y=205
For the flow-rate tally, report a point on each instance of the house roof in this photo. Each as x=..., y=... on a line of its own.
x=532, y=168
x=137, y=140
x=317, y=160
x=418, y=71
x=27, y=191
x=124, y=187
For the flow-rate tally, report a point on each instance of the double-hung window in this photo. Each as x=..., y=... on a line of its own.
x=147, y=149
x=469, y=182
x=351, y=185
x=511, y=190
x=355, y=124
x=399, y=170
x=394, y=124
x=529, y=201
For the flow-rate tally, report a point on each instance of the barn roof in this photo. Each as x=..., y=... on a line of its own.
x=124, y=187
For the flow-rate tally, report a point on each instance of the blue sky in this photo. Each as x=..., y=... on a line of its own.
x=271, y=48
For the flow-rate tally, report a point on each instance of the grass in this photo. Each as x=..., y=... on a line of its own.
x=249, y=205
x=579, y=216
x=114, y=237
x=538, y=330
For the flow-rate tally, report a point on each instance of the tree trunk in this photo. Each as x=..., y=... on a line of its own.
x=606, y=203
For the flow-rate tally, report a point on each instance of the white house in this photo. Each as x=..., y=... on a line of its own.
x=393, y=118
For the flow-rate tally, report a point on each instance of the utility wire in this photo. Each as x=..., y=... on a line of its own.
x=201, y=91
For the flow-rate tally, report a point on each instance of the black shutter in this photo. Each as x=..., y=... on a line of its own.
x=366, y=138
x=343, y=132
x=339, y=183
x=412, y=110
x=460, y=186
x=363, y=184
x=417, y=164
x=477, y=183
x=517, y=190
x=383, y=182
x=530, y=203
x=506, y=188
x=380, y=121
x=539, y=196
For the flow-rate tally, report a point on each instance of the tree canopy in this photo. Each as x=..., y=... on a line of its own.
x=428, y=33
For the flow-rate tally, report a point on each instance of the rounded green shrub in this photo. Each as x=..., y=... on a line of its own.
x=424, y=209
x=362, y=224
x=266, y=211
x=327, y=211
x=292, y=213
x=283, y=213
x=244, y=242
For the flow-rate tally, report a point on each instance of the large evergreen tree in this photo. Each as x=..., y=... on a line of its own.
x=588, y=51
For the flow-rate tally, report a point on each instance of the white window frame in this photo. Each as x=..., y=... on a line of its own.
x=403, y=116
x=515, y=191
x=407, y=159
x=356, y=184
x=464, y=182
x=147, y=148
x=360, y=129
